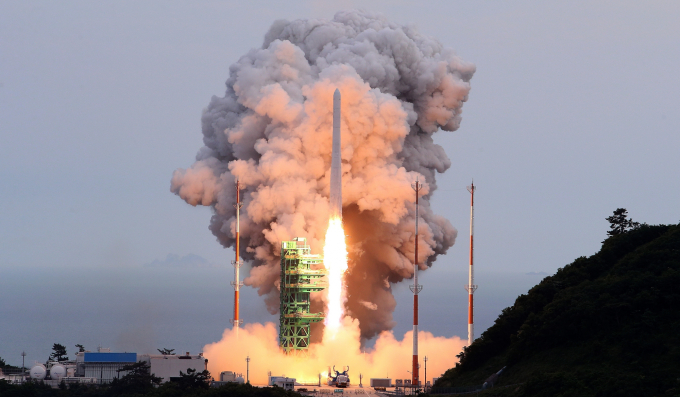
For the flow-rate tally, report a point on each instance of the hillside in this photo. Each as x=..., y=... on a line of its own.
x=606, y=325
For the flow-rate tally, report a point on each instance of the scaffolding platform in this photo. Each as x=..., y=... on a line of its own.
x=298, y=280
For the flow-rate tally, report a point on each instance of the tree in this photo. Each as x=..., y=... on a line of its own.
x=193, y=379
x=81, y=348
x=619, y=223
x=137, y=380
x=3, y=364
x=167, y=352
x=58, y=353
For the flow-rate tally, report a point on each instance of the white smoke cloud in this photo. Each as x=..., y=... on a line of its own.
x=390, y=357
x=272, y=130
x=369, y=305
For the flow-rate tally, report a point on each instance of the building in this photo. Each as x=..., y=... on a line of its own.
x=282, y=381
x=104, y=366
x=168, y=367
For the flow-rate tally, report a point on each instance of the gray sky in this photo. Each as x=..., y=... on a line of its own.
x=572, y=113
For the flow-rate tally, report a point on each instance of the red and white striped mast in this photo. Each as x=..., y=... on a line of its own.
x=415, y=288
x=471, y=287
x=237, y=262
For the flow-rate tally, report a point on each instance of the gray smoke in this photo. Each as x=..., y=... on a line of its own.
x=272, y=131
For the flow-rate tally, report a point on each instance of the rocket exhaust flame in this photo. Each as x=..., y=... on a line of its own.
x=335, y=259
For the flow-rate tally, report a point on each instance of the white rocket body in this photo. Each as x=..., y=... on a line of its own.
x=336, y=163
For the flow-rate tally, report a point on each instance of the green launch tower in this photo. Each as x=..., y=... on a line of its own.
x=297, y=281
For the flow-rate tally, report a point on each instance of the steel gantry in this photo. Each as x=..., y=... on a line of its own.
x=298, y=279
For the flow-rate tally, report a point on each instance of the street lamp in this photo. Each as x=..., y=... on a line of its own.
x=425, y=384
x=23, y=370
x=411, y=376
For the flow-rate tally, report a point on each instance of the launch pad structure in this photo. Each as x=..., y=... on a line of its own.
x=298, y=280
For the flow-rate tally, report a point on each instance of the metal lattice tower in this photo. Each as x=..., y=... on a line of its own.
x=297, y=281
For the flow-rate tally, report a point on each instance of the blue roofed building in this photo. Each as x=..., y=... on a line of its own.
x=103, y=365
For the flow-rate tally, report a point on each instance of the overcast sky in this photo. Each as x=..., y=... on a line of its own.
x=572, y=113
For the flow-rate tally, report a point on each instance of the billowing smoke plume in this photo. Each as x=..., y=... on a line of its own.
x=272, y=130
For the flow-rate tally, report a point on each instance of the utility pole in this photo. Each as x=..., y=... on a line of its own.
x=23, y=367
x=248, y=369
x=415, y=288
x=471, y=287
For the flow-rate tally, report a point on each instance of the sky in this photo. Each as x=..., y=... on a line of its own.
x=572, y=114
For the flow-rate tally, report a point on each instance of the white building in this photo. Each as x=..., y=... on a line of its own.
x=169, y=366
x=283, y=382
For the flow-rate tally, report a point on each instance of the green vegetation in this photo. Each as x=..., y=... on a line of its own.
x=58, y=353
x=606, y=325
x=169, y=389
x=137, y=380
x=5, y=366
x=618, y=223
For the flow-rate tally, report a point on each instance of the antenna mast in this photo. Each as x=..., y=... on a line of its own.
x=471, y=287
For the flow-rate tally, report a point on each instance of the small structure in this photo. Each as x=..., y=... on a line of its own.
x=381, y=382
x=282, y=382
x=228, y=377
x=17, y=376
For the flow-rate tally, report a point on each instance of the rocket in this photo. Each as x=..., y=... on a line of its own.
x=336, y=164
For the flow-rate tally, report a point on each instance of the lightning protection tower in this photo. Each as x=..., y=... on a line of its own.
x=415, y=288
x=237, y=262
x=471, y=287
x=297, y=281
